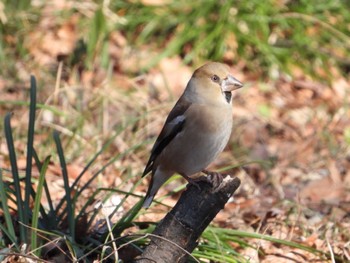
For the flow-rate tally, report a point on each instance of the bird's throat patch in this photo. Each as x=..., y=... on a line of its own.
x=228, y=96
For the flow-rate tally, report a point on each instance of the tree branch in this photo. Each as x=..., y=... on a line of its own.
x=176, y=235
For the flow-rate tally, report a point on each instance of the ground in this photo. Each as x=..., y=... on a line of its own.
x=290, y=143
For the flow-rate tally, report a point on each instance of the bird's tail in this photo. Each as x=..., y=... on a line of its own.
x=148, y=200
x=158, y=179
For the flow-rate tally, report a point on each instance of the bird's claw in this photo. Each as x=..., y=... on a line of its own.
x=214, y=178
x=195, y=181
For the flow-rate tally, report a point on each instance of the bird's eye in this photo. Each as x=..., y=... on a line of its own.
x=215, y=78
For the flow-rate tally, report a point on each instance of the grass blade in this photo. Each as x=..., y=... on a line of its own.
x=15, y=174
x=104, y=147
x=52, y=214
x=231, y=233
x=76, y=181
x=69, y=203
x=10, y=231
x=117, y=157
x=37, y=205
x=9, y=235
x=28, y=179
x=52, y=109
x=127, y=218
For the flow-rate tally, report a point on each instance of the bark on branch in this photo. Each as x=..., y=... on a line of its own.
x=176, y=235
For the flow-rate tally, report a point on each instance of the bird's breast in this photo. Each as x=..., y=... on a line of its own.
x=205, y=134
x=214, y=120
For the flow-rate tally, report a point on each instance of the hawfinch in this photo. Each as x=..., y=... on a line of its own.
x=197, y=128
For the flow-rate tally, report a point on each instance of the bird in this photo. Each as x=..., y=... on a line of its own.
x=196, y=130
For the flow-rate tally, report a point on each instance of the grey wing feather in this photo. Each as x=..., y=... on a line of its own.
x=173, y=125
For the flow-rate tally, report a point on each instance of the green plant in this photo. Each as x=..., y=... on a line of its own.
x=268, y=36
x=38, y=226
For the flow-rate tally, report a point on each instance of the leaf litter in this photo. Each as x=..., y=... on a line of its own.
x=298, y=189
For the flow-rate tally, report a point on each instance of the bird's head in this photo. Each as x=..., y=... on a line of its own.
x=213, y=82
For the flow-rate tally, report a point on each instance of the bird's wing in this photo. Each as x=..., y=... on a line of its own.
x=173, y=125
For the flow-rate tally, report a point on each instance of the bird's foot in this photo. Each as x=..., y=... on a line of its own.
x=196, y=180
x=214, y=178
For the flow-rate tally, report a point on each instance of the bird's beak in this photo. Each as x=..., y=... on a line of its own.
x=231, y=83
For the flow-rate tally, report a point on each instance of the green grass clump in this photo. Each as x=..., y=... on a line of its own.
x=268, y=36
x=40, y=225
